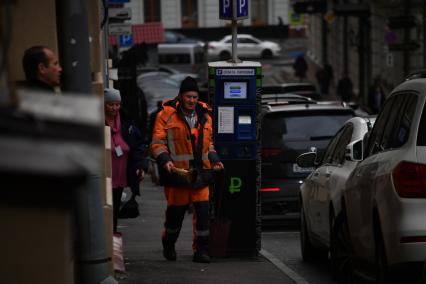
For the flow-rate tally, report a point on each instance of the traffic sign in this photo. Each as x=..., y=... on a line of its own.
x=118, y=1
x=310, y=7
x=119, y=14
x=125, y=40
x=226, y=9
x=119, y=29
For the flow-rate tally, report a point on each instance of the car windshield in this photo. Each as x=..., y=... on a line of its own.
x=282, y=128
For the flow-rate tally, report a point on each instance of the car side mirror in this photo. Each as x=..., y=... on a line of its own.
x=306, y=160
x=354, y=151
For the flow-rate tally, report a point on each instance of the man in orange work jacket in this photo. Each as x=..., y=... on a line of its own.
x=182, y=138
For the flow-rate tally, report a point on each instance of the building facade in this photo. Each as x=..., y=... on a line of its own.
x=368, y=40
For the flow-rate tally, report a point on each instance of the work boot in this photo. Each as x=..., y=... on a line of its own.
x=169, y=251
x=201, y=257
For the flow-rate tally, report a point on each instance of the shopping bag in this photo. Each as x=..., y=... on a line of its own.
x=118, y=258
x=130, y=209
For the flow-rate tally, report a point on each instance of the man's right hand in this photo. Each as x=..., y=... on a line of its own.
x=168, y=166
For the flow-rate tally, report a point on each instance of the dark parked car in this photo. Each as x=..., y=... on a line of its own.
x=304, y=89
x=290, y=127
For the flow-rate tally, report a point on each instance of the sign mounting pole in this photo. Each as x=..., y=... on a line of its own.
x=233, y=10
x=234, y=32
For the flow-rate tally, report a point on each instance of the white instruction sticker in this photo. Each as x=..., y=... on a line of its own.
x=225, y=120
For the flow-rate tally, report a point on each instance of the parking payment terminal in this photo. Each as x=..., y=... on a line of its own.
x=234, y=89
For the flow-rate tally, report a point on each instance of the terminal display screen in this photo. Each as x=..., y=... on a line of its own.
x=235, y=90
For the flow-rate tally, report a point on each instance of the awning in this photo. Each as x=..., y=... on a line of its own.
x=149, y=33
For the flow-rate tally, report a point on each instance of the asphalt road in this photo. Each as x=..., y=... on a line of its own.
x=284, y=245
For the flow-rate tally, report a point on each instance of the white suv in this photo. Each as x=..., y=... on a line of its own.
x=382, y=226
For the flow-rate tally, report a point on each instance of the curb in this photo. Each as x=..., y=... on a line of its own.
x=284, y=268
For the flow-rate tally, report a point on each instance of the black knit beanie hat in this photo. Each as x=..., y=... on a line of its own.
x=188, y=84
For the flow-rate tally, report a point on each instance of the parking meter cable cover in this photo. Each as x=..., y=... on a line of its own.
x=220, y=226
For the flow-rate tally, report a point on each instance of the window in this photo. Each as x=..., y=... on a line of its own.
x=389, y=129
x=152, y=11
x=328, y=155
x=174, y=58
x=246, y=41
x=402, y=129
x=189, y=13
x=171, y=37
x=339, y=154
x=281, y=128
x=259, y=12
x=378, y=129
x=421, y=135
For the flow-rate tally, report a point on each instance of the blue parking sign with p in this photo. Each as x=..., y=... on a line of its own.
x=226, y=9
x=242, y=9
x=125, y=40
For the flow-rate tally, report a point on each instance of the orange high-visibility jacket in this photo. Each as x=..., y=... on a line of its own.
x=173, y=140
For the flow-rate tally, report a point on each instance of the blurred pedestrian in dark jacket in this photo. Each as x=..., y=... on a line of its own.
x=41, y=68
x=376, y=95
x=324, y=77
x=152, y=118
x=345, y=89
x=300, y=67
x=133, y=98
x=127, y=150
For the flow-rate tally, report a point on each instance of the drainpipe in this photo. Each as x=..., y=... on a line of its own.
x=406, y=52
x=6, y=19
x=345, y=47
x=424, y=34
x=92, y=266
x=361, y=57
x=324, y=41
x=368, y=57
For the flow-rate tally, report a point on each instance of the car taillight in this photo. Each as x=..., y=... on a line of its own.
x=270, y=152
x=413, y=239
x=269, y=189
x=410, y=180
x=211, y=46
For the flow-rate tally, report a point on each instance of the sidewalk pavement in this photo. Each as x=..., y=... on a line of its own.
x=145, y=263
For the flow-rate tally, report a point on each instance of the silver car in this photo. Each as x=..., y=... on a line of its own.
x=321, y=191
x=381, y=230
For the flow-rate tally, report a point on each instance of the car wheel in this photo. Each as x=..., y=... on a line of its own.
x=266, y=54
x=381, y=262
x=341, y=251
x=309, y=252
x=224, y=55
